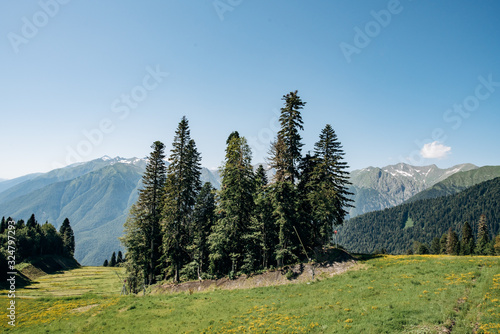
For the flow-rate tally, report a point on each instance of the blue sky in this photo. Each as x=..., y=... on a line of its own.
x=399, y=81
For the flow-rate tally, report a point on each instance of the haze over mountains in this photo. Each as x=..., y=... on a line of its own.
x=96, y=195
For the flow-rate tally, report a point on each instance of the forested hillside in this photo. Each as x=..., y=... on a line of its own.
x=396, y=228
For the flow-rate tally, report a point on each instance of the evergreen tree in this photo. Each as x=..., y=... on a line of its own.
x=203, y=220
x=181, y=189
x=452, y=246
x=328, y=184
x=19, y=224
x=68, y=238
x=105, y=264
x=482, y=236
x=262, y=225
x=136, y=240
x=236, y=201
x=467, y=243
x=284, y=202
x=496, y=245
x=443, y=242
x=3, y=225
x=119, y=257
x=287, y=150
x=142, y=236
x=420, y=248
x=52, y=241
x=277, y=159
x=112, y=262
x=435, y=246
x=285, y=159
x=32, y=223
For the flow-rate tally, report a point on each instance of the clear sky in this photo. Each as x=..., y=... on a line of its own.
x=399, y=81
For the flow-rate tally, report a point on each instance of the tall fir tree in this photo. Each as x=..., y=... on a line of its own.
x=136, y=241
x=483, y=237
x=332, y=174
x=32, y=223
x=181, y=189
x=142, y=236
x=327, y=184
x=452, y=245
x=288, y=145
x=262, y=226
x=285, y=159
x=228, y=249
x=68, y=238
x=467, y=242
x=435, y=246
x=203, y=220
x=119, y=257
x=442, y=242
x=112, y=262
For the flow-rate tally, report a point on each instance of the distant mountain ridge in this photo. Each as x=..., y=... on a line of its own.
x=96, y=197
x=396, y=228
x=458, y=182
x=377, y=188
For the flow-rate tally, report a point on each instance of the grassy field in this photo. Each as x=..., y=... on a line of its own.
x=390, y=294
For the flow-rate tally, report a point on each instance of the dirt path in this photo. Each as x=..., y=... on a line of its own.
x=301, y=273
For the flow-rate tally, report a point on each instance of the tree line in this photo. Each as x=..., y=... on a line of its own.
x=180, y=229
x=396, y=229
x=34, y=239
x=451, y=244
x=114, y=261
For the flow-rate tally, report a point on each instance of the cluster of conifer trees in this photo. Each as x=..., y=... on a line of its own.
x=450, y=244
x=114, y=261
x=179, y=229
x=33, y=239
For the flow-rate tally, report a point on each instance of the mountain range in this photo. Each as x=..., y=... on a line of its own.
x=379, y=188
x=397, y=228
x=96, y=196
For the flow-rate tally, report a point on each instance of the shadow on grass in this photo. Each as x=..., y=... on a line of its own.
x=366, y=257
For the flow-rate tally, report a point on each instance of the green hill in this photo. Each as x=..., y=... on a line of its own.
x=95, y=196
x=458, y=182
x=96, y=204
x=396, y=228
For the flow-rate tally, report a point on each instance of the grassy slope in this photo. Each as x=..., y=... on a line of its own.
x=392, y=294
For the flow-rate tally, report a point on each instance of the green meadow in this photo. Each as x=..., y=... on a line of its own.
x=387, y=294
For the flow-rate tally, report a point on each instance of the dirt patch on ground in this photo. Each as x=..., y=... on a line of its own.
x=304, y=272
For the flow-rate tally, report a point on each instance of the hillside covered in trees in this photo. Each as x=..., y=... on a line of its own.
x=396, y=229
x=21, y=241
x=180, y=229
